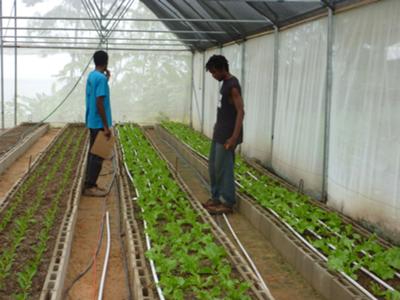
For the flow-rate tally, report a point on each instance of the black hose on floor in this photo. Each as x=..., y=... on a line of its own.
x=83, y=273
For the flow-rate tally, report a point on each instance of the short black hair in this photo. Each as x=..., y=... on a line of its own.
x=100, y=58
x=218, y=62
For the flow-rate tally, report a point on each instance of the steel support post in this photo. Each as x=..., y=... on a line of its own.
x=275, y=89
x=191, y=92
x=202, y=92
x=328, y=103
x=15, y=67
x=243, y=63
x=2, y=64
x=243, y=77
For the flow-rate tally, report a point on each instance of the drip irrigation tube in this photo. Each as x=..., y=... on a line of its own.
x=248, y=258
x=373, y=276
x=340, y=236
x=311, y=247
x=148, y=242
x=103, y=275
x=364, y=270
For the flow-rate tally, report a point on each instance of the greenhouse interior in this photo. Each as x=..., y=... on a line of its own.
x=200, y=149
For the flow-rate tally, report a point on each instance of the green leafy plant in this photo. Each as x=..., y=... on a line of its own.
x=20, y=226
x=346, y=250
x=188, y=260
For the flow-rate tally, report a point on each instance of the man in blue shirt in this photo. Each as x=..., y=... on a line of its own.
x=98, y=117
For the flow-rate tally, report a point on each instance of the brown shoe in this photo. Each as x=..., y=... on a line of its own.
x=94, y=192
x=220, y=209
x=211, y=203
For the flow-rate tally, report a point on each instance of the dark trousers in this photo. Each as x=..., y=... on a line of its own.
x=94, y=162
x=221, y=165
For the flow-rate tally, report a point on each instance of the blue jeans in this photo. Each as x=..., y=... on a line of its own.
x=94, y=162
x=220, y=167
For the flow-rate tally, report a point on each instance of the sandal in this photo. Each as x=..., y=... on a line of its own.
x=220, y=209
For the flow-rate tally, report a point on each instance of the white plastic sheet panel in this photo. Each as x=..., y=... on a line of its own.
x=233, y=54
x=212, y=86
x=364, y=165
x=198, y=69
x=299, y=126
x=258, y=93
x=211, y=98
x=145, y=86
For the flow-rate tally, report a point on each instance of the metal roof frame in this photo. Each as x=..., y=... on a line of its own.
x=198, y=24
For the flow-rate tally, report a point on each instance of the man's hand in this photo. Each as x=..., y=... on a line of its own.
x=107, y=73
x=230, y=143
x=107, y=133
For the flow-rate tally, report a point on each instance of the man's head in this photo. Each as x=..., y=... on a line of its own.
x=218, y=66
x=100, y=59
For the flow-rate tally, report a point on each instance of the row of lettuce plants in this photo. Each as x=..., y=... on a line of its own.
x=190, y=264
x=56, y=170
x=7, y=216
x=345, y=249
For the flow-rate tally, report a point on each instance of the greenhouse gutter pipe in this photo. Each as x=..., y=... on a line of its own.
x=2, y=65
x=145, y=20
x=116, y=30
x=148, y=242
x=248, y=258
x=328, y=103
x=96, y=43
x=111, y=38
x=103, y=275
x=96, y=48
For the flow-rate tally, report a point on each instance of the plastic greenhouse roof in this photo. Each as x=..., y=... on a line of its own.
x=230, y=20
x=190, y=24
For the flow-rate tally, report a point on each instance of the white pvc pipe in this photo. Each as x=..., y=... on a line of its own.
x=340, y=236
x=355, y=283
x=148, y=243
x=248, y=258
x=376, y=278
x=152, y=266
x=103, y=275
x=373, y=276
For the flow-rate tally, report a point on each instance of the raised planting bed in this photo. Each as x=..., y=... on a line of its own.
x=139, y=271
x=192, y=257
x=14, y=142
x=32, y=215
x=353, y=254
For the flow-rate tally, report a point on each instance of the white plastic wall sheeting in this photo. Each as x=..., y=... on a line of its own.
x=211, y=98
x=257, y=97
x=364, y=164
x=299, y=125
x=212, y=86
x=197, y=99
x=233, y=54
